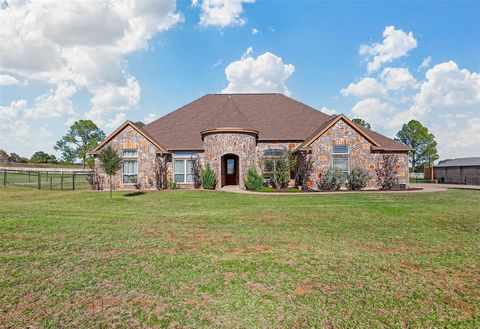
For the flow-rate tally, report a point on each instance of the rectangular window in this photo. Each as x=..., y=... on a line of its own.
x=179, y=171
x=340, y=149
x=189, y=164
x=130, y=171
x=341, y=163
x=183, y=170
x=129, y=153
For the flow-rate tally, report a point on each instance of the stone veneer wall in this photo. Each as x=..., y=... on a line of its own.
x=130, y=139
x=218, y=144
x=359, y=154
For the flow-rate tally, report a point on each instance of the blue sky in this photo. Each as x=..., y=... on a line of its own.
x=111, y=62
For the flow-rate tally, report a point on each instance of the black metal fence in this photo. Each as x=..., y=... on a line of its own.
x=48, y=179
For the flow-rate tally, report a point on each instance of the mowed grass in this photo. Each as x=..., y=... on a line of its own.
x=213, y=259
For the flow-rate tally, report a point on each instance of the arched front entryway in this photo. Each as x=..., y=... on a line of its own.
x=230, y=169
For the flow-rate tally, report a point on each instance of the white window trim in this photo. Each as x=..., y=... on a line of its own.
x=184, y=159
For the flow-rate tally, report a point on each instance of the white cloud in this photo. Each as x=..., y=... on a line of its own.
x=112, y=98
x=149, y=118
x=217, y=63
x=447, y=102
x=82, y=45
x=254, y=31
x=425, y=63
x=14, y=132
x=447, y=85
x=53, y=103
x=116, y=121
x=373, y=111
x=367, y=87
x=327, y=110
x=8, y=80
x=266, y=73
x=459, y=139
x=397, y=78
x=395, y=44
x=221, y=13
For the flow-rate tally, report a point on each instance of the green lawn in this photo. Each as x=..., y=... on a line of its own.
x=193, y=258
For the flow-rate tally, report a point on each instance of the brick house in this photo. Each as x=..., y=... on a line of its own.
x=232, y=132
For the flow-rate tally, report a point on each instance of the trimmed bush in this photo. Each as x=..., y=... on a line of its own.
x=254, y=181
x=172, y=185
x=332, y=180
x=208, y=178
x=357, y=179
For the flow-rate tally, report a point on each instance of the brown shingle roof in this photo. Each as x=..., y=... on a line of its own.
x=386, y=143
x=276, y=117
x=228, y=115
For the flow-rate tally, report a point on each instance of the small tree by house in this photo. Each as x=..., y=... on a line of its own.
x=110, y=162
x=305, y=169
x=197, y=168
x=386, y=171
x=208, y=178
x=357, y=179
x=254, y=180
x=161, y=171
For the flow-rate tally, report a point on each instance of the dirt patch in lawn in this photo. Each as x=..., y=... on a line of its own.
x=306, y=287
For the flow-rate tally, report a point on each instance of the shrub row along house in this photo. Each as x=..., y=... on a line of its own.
x=234, y=132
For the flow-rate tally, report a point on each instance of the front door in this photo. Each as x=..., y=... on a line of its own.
x=230, y=169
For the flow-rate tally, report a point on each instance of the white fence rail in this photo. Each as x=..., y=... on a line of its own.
x=417, y=175
x=38, y=169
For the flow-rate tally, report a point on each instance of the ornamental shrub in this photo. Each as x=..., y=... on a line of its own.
x=208, y=178
x=332, y=180
x=254, y=181
x=357, y=179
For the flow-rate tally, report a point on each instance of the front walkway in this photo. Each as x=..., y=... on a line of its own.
x=424, y=187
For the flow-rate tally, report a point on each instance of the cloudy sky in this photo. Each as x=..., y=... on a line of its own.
x=115, y=60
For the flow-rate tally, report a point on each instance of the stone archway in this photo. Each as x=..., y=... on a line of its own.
x=230, y=169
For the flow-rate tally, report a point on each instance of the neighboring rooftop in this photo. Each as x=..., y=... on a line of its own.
x=460, y=162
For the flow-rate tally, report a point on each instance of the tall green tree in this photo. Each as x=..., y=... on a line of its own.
x=81, y=139
x=362, y=123
x=3, y=156
x=14, y=157
x=423, y=143
x=42, y=157
x=139, y=123
x=110, y=162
